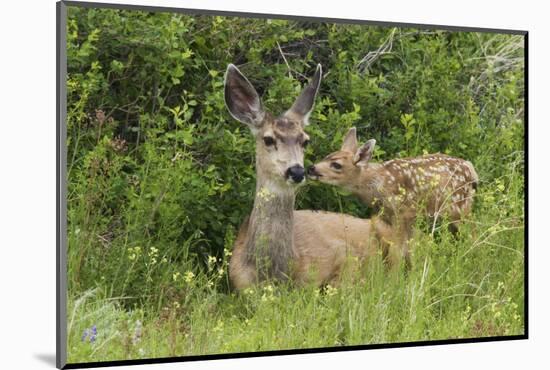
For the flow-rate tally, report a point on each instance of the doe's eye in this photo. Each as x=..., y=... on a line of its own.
x=336, y=165
x=269, y=141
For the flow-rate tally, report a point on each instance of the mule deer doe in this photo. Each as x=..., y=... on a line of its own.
x=276, y=241
x=435, y=184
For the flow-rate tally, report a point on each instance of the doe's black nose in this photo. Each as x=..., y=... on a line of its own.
x=296, y=173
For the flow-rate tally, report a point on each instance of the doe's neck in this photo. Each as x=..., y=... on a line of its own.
x=270, y=243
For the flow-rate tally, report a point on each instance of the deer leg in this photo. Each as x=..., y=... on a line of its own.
x=454, y=224
x=453, y=228
x=242, y=276
x=391, y=254
x=406, y=233
x=391, y=242
x=241, y=273
x=406, y=254
x=397, y=252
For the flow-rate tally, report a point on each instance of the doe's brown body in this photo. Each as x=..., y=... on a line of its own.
x=322, y=244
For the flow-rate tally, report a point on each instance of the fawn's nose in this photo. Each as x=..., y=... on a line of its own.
x=311, y=170
x=296, y=173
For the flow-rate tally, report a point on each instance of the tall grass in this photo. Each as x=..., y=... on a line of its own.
x=467, y=287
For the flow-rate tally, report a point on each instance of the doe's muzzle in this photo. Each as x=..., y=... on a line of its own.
x=296, y=173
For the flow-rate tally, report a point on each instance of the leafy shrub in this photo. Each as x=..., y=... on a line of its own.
x=160, y=176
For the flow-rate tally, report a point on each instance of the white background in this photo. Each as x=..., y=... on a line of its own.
x=27, y=181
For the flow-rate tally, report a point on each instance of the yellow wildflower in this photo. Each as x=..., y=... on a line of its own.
x=189, y=275
x=331, y=290
x=175, y=276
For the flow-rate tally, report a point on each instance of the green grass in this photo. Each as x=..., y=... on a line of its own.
x=468, y=287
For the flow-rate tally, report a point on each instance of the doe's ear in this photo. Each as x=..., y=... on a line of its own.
x=350, y=141
x=242, y=100
x=302, y=107
x=364, y=154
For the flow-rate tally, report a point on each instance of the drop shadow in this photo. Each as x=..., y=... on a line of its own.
x=47, y=358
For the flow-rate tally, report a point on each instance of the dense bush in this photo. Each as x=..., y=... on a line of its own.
x=160, y=175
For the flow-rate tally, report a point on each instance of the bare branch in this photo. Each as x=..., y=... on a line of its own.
x=284, y=58
x=372, y=56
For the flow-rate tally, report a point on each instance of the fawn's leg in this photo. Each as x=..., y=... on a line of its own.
x=393, y=242
x=406, y=230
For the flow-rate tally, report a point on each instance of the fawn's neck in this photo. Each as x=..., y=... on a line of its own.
x=270, y=230
x=368, y=184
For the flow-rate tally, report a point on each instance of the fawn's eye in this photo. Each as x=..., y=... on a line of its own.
x=305, y=143
x=336, y=165
x=269, y=141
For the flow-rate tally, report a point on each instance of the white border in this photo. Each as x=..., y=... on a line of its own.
x=27, y=186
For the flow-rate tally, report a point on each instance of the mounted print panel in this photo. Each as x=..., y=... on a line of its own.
x=243, y=185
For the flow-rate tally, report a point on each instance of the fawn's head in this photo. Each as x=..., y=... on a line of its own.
x=343, y=166
x=280, y=141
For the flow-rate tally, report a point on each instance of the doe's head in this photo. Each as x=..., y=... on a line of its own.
x=341, y=167
x=280, y=140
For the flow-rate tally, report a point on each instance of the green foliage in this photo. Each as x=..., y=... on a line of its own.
x=160, y=177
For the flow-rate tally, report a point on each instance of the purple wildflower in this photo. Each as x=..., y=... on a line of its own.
x=94, y=334
x=84, y=335
x=90, y=333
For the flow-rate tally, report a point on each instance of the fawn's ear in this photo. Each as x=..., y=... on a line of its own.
x=350, y=141
x=242, y=100
x=364, y=154
x=302, y=107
